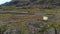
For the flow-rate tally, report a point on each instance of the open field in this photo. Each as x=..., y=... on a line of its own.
x=28, y=20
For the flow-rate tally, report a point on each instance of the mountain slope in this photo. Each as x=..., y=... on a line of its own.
x=34, y=3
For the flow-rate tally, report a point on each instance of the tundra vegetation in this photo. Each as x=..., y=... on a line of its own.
x=32, y=22
x=23, y=25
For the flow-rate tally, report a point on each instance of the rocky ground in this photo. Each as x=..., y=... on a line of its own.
x=27, y=23
x=26, y=17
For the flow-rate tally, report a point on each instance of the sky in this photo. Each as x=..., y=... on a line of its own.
x=3, y=1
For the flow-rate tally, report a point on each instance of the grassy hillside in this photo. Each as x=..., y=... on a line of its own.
x=17, y=9
x=25, y=24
